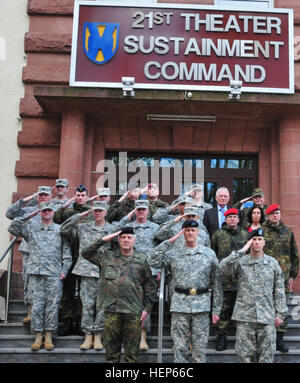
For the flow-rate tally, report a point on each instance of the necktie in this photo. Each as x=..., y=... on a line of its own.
x=222, y=218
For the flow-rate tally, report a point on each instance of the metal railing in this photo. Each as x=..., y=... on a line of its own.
x=9, y=271
x=161, y=316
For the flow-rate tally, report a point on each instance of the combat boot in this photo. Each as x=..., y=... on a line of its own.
x=280, y=345
x=221, y=343
x=27, y=320
x=48, y=345
x=97, y=342
x=143, y=344
x=88, y=342
x=37, y=344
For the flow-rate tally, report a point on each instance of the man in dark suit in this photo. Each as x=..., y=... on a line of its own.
x=213, y=218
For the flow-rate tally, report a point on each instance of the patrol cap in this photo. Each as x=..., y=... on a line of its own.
x=81, y=188
x=196, y=187
x=258, y=192
x=46, y=205
x=183, y=199
x=62, y=182
x=127, y=230
x=272, y=208
x=256, y=233
x=191, y=210
x=100, y=205
x=45, y=189
x=190, y=223
x=103, y=191
x=141, y=204
x=231, y=211
x=133, y=185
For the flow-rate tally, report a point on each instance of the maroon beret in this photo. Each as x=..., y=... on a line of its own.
x=231, y=211
x=273, y=207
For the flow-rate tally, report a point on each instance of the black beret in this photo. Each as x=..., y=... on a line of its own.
x=127, y=230
x=190, y=223
x=256, y=233
x=81, y=188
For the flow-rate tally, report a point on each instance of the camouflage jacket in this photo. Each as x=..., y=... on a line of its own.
x=154, y=205
x=61, y=215
x=191, y=267
x=243, y=213
x=201, y=209
x=164, y=214
x=281, y=244
x=170, y=228
x=118, y=210
x=19, y=209
x=126, y=284
x=223, y=242
x=74, y=228
x=145, y=236
x=260, y=287
x=49, y=254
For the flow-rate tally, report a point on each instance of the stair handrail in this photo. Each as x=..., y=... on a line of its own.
x=161, y=316
x=9, y=271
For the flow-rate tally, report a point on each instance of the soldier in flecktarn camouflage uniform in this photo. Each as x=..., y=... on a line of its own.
x=196, y=275
x=230, y=237
x=71, y=310
x=127, y=292
x=92, y=321
x=48, y=264
x=260, y=304
x=281, y=244
x=18, y=209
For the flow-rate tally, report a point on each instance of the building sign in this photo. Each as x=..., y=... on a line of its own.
x=188, y=47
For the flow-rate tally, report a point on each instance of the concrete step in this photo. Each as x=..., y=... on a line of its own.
x=70, y=355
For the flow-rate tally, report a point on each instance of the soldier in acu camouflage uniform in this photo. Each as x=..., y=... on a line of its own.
x=165, y=214
x=154, y=202
x=194, y=270
x=61, y=190
x=92, y=321
x=145, y=232
x=127, y=292
x=196, y=192
x=18, y=209
x=230, y=237
x=70, y=310
x=281, y=244
x=48, y=264
x=260, y=304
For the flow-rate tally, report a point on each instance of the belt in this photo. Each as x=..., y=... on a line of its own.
x=191, y=291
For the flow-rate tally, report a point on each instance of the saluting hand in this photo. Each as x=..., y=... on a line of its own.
x=68, y=202
x=34, y=213
x=176, y=236
x=178, y=218
x=109, y=237
x=86, y=213
x=94, y=197
x=30, y=197
x=131, y=214
x=247, y=246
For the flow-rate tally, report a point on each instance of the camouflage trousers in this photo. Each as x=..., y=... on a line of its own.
x=222, y=327
x=25, y=277
x=47, y=293
x=255, y=342
x=284, y=324
x=70, y=305
x=92, y=320
x=189, y=329
x=122, y=328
